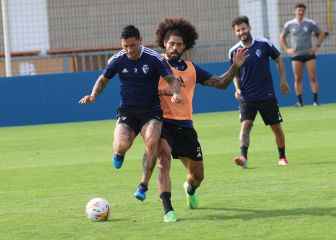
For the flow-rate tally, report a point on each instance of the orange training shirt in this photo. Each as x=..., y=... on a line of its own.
x=187, y=80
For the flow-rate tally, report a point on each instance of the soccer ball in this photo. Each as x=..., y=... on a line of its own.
x=97, y=209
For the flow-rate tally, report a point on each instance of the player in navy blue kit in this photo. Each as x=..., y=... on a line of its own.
x=254, y=88
x=139, y=69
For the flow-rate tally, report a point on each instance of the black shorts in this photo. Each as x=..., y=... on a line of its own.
x=304, y=58
x=137, y=118
x=183, y=141
x=268, y=109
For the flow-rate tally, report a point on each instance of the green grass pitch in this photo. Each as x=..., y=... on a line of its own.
x=49, y=172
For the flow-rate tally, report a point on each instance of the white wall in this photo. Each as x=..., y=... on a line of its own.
x=28, y=25
x=264, y=17
x=253, y=10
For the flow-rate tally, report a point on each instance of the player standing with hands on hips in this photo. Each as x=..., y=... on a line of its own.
x=300, y=31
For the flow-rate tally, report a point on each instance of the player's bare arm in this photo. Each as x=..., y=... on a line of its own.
x=284, y=45
x=97, y=89
x=175, y=87
x=320, y=38
x=283, y=79
x=236, y=83
x=225, y=79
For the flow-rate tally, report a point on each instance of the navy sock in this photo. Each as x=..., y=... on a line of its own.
x=243, y=151
x=166, y=202
x=118, y=157
x=143, y=187
x=315, y=97
x=282, y=152
x=300, y=99
x=191, y=189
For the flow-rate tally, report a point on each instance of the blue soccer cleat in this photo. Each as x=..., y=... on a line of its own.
x=140, y=193
x=117, y=161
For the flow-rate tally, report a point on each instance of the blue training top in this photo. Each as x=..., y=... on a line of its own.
x=139, y=78
x=255, y=75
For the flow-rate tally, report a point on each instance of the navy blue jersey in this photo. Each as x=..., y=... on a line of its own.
x=255, y=75
x=139, y=78
x=201, y=74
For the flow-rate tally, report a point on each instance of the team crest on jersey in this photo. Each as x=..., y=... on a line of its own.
x=258, y=53
x=145, y=69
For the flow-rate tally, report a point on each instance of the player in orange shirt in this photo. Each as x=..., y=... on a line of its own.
x=178, y=136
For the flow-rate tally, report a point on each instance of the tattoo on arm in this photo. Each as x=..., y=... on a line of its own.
x=224, y=80
x=99, y=85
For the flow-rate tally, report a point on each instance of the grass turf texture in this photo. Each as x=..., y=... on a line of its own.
x=49, y=172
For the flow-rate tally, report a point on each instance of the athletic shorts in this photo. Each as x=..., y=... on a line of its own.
x=183, y=141
x=136, y=119
x=304, y=58
x=268, y=109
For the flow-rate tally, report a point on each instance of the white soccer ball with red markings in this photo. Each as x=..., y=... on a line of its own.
x=98, y=209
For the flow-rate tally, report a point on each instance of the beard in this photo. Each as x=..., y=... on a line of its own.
x=174, y=55
x=246, y=38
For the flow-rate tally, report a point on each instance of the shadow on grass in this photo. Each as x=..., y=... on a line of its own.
x=250, y=214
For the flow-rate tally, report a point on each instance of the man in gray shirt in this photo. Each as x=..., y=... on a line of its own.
x=299, y=32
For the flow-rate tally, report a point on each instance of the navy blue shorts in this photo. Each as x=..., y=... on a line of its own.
x=268, y=109
x=136, y=118
x=304, y=58
x=183, y=141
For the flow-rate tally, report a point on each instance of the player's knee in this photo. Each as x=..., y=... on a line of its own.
x=163, y=168
x=163, y=161
x=151, y=145
x=247, y=126
x=298, y=79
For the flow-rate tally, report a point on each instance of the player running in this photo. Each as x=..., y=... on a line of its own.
x=139, y=69
x=179, y=138
x=254, y=88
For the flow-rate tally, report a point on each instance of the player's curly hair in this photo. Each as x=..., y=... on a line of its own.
x=179, y=27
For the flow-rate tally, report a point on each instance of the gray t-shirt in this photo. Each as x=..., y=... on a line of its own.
x=300, y=34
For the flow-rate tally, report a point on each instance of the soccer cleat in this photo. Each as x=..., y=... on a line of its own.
x=140, y=193
x=241, y=161
x=282, y=162
x=192, y=200
x=170, y=217
x=316, y=104
x=117, y=161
